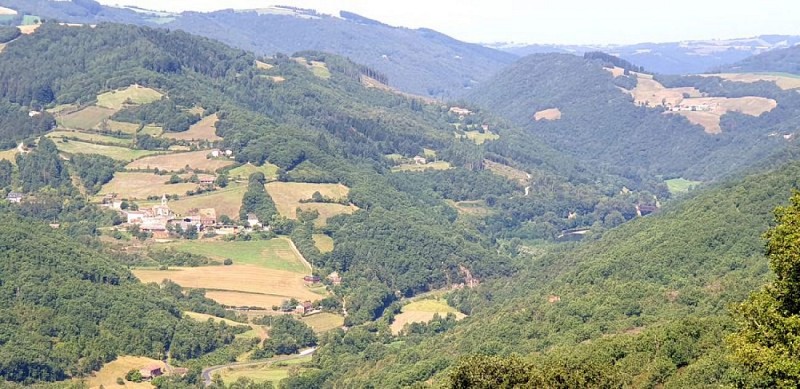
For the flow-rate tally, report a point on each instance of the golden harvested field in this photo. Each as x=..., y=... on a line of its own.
x=512, y=174
x=710, y=120
x=241, y=282
x=323, y=242
x=28, y=29
x=287, y=196
x=177, y=161
x=263, y=65
x=85, y=119
x=90, y=137
x=205, y=129
x=412, y=167
x=652, y=93
x=783, y=81
x=134, y=94
x=115, y=152
x=139, y=186
x=616, y=71
x=548, y=114
x=7, y=11
x=239, y=299
x=226, y=201
x=10, y=155
x=107, y=376
x=243, y=172
x=422, y=311
x=323, y=322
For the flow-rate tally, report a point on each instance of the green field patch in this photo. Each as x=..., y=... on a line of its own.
x=429, y=153
x=243, y=172
x=114, y=152
x=422, y=311
x=226, y=201
x=323, y=242
x=318, y=68
x=90, y=137
x=323, y=322
x=479, y=137
x=413, y=167
x=130, y=185
x=275, y=253
x=29, y=20
x=134, y=94
x=269, y=372
x=681, y=185
x=151, y=130
x=84, y=119
x=10, y=155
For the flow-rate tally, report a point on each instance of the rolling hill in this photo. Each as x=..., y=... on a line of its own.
x=622, y=121
x=422, y=62
x=687, y=57
x=778, y=61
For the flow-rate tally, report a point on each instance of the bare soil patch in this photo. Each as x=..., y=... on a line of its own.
x=548, y=114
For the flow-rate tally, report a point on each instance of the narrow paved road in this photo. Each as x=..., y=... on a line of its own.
x=208, y=373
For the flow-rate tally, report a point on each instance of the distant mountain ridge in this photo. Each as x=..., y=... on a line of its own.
x=423, y=61
x=777, y=61
x=685, y=57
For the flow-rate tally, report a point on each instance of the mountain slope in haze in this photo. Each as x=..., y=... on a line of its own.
x=422, y=62
x=687, y=57
x=645, y=305
x=777, y=61
x=599, y=122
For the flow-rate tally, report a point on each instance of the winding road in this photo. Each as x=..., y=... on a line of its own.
x=208, y=373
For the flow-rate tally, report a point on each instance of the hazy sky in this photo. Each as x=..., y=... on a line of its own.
x=550, y=21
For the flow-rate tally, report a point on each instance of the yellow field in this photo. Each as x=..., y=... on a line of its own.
x=242, y=283
x=652, y=93
x=481, y=137
x=114, y=152
x=226, y=201
x=205, y=129
x=28, y=29
x=90, y=137
x=323, y=242
x=243, y=172
x=85, y=119
x=107, y=376
x=287, y=196
x=263, y=65
x=10, y=155
x=174, y=162
x=548, y=114
x=412, y=167
x=134, y=94
x=139, y=186
x=615, y=71
x=512, y=174
x=323, y=322
x=422, y=311
x=319, y=69
x=783, y=82
x=7, y=11
x=710, y=120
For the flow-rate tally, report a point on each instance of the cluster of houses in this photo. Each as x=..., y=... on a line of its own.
x=158, y=219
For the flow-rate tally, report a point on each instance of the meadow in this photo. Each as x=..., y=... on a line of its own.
x=90, y=137
x=114, y=152
x=270, y=371
x=276, y=253
x=205, y=129
x=287, y=196
x=323, y=242
x=323, y=322
x=134, y=94
x=177, y=161
x=84, y=119
x=422, y=311
x=132, y=186
x=680, y=185
x=413, y=167
x=107, y=376
x=243, y=172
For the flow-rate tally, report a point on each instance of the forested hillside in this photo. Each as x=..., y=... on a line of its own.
x=645, y=305
x=777, y=61
x=422, y=62
x=68, y=309
x=599, y=121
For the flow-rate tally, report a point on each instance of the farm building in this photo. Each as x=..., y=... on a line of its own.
x=135, y=217
x=252, y=220
x=15, y=197
x=215, y=153
x=311, y=279
x=152, y=371
x=460, y=111
x=420, y=160
x=207, y=180
x=335, y=279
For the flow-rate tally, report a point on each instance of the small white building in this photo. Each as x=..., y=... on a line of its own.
x=420, y=160
x=215, y=153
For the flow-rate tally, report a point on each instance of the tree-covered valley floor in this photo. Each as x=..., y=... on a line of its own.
x=437, y=215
